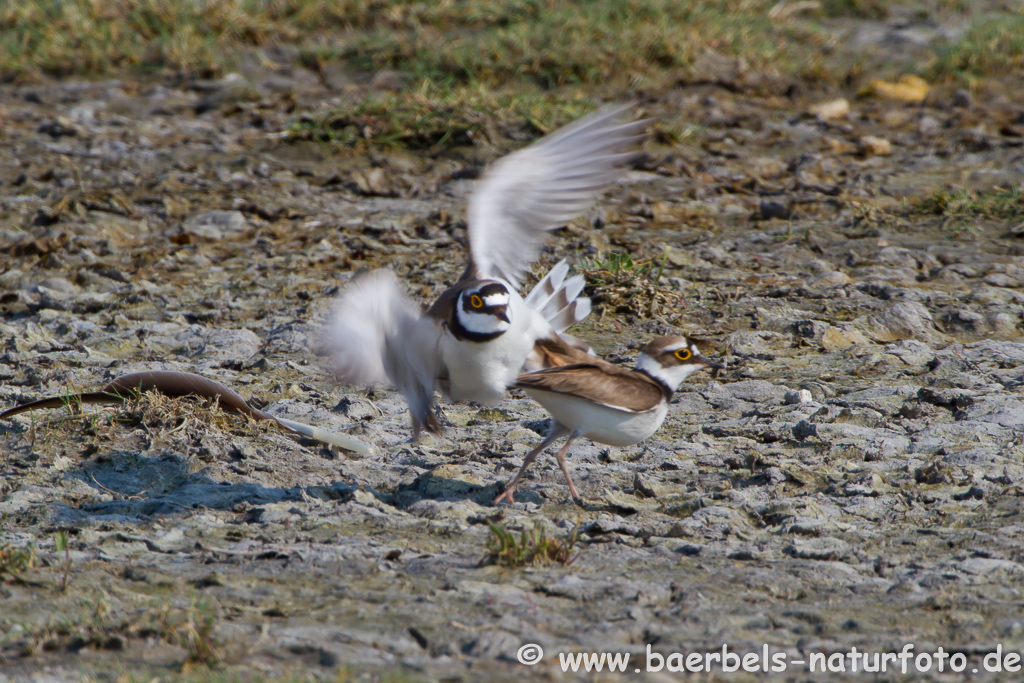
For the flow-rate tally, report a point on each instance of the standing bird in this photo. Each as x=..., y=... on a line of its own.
x=480, y=333
x=606, y=403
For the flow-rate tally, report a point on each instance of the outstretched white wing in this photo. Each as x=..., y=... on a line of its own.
x=542, y=187
x=378, y=334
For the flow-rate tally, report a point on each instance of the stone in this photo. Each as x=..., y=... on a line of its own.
x=871, y=145
x=797, y=397
x=216, y=226
x=832, y=110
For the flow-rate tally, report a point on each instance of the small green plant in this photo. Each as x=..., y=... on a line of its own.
x=533, y=546
x=71, y=398
x=616, y=265
x=614, y=262
x=60, y=541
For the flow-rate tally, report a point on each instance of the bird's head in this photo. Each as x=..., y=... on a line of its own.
x=484, y=309
x=672, y=359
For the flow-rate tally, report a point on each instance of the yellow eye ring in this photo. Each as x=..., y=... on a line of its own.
x=683, y=354
x=476, y=302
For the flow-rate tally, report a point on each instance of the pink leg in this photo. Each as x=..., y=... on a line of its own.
x=565, y=469
x=556, y=431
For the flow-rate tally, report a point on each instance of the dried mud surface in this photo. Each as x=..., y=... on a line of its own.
x=147, y=227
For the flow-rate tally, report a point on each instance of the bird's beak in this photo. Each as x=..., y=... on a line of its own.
x=710, y=364
x=501, y=314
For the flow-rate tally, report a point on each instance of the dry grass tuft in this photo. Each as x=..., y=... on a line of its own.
x=619, y=284
x=15, y=560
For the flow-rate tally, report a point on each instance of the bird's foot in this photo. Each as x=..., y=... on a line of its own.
x=506, y=496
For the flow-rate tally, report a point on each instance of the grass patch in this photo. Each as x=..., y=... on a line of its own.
x=621, y=43
x=199, y=37
x=991, y=47
x=997, y=203
x=608, y=44
x=60, y=542
x=961, y=210
x=533, y=546
x=434, y=116
x=612, y=266
x=96, y=36
x=861, y=9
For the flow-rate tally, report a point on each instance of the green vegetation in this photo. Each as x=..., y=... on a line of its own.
x=960, y=212
x=474, y=68
x=60, y=541
x=624, y=42
x=433, y=116
x=493, y=41
x=533, y=546
x=614, y=266
x=991, y=47
x=957, y=205
x=613, y=44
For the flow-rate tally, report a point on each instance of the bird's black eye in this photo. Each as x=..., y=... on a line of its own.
x=476, y=302
x=683, y=354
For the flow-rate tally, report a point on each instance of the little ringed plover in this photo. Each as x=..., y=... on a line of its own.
x=606, y=403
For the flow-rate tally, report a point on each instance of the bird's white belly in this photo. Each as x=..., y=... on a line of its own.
x=599, y=422
x=481, y=375
x=482, y=371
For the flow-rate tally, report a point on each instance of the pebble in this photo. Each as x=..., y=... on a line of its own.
x=928, y=126
x=216, y=226
x=773, y=209
x=796, y=397
x=831, y=110
x=870, y=145
x=963, y=99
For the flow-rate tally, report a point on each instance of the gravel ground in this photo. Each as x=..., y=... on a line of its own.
x=145, y=226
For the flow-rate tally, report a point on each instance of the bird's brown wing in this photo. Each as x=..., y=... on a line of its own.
x=599, y=382
x=557, y=351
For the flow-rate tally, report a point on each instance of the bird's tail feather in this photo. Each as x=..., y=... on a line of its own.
x=558, y=300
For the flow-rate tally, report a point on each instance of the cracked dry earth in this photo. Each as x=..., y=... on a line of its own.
x=149, y=227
